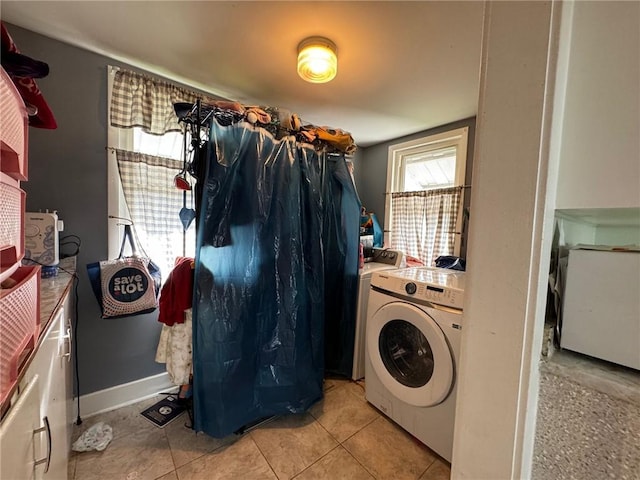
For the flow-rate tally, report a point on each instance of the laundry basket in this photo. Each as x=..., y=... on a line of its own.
x=19, y=324
x=11, y=226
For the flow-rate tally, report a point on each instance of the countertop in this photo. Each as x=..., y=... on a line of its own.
x=53, y=291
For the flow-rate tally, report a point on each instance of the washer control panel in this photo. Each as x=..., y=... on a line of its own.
x=381, y=255
x=428, y=284
x=411, y=288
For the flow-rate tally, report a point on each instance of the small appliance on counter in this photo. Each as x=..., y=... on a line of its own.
x=41, y=231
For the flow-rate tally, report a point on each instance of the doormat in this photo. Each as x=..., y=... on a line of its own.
x=164, y=412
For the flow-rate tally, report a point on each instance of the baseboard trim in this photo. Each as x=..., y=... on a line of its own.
x=122, y=395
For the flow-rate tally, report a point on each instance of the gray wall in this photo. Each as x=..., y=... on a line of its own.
x=68, y=173
x=371, y=169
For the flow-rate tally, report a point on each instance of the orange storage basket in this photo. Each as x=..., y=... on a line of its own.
x=13, y=130
x=12, y=201
x=19, y=324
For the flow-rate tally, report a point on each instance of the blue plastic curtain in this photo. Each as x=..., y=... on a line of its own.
x=341, y=238
x=261, y=270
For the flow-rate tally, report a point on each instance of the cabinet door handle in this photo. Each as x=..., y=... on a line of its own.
x=67, y=341
x=46, y=460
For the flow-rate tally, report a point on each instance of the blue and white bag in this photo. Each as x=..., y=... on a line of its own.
x=125, y=286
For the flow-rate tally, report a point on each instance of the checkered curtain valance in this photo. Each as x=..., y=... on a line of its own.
x=154, y=204
x=423, y=223
x=141, y=101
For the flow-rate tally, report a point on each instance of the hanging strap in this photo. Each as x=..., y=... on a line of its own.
x=184, y=171
x=128, y=236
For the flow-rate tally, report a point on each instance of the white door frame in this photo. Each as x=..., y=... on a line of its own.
x=512, y=202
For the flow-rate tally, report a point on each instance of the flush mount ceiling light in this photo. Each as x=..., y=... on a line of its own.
x=317, y=61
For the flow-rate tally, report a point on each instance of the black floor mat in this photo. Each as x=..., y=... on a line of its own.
x=164, y=412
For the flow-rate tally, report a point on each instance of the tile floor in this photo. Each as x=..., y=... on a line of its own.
x=341, y=437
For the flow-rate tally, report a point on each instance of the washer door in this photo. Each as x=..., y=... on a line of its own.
x=410, y=354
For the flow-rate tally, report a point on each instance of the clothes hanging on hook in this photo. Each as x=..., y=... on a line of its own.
x=177, y=292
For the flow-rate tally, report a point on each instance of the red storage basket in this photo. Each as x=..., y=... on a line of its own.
x=19, y=324
x=13, y=130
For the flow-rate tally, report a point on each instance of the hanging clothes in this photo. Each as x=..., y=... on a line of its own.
x=175, y=349
x=175, y=313
x=23, y=70
x=177, y=292
x=259, y=303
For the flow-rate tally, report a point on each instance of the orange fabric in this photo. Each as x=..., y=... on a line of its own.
x=340, y=139
x=413, y=261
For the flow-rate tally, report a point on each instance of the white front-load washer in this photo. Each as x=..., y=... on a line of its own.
x=378, y=260
x=413, y=331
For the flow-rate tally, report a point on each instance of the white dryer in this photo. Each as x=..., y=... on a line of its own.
x=413, y=334
x=378, y=260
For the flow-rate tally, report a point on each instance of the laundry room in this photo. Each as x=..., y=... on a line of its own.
x=323, y=270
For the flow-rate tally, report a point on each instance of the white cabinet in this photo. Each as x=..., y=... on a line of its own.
x=44, y=402
x=601, y=315
x=52, y=365
x=17, y=435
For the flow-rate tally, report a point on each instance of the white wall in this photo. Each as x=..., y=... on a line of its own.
x=506, y=278
x=623, y=235
x=600, y=153
x=599, y=226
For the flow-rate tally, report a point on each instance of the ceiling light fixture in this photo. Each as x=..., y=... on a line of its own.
x=317, y=60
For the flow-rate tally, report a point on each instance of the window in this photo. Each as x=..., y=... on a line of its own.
x=141, y=171
x=425, y=193
x=430, y=169
x=168, y=145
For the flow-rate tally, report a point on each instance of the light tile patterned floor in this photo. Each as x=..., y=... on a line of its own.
x=341, y=437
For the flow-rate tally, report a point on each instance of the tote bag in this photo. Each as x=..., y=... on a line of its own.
x=125, y=286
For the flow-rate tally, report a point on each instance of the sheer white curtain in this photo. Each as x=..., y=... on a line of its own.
x=423, y=223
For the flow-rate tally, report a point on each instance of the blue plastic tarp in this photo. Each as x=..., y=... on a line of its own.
x=341, y=239
x=259, y=289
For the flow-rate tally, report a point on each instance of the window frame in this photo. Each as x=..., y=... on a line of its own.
x=457, y=138
x=116, y=204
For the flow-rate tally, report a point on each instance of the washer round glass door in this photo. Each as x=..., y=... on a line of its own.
x=409, y=354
